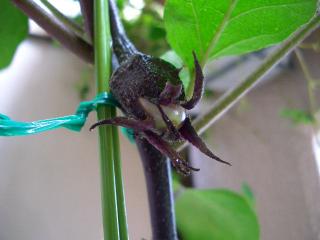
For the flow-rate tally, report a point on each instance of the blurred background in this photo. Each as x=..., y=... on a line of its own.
x=50, y=183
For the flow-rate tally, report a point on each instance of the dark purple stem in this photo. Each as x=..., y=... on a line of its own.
x=156, y=166
x=122, y=46
x=158, y=178
x=56, y=29
x=87, y=13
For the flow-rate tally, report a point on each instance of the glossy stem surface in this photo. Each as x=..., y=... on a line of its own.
x=156, y=166
x=122, y=46
x=87, y=13
x=157, y=171
x=112, y=199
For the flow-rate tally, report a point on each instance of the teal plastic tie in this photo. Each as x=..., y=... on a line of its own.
x=9, y=127
x=129, y=134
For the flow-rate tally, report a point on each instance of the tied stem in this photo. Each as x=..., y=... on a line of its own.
x=112, y=197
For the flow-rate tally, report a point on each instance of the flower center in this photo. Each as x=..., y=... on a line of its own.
x=175, y=113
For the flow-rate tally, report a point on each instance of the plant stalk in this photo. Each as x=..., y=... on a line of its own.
x=87, y=13
x=73, y=26
x=156, y=166
x=121, y=203
x=310, y=82
x=113, y=205
x=232, y=96
x=56, y=29
x=160, y=194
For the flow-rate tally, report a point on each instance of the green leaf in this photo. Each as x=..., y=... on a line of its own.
x=215, y=215
x=13, y=30
x=248, y=194
x=215, y=28
x=298, y=116
x=174, y=59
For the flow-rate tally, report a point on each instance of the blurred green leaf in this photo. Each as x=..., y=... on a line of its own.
x=176, y=185
x=192, y=25
x=297, y=116
x=13, y=30
x=147, y=31
x=174, y=59
x=157, y=33
x=248, y=194
x=121, y=4
x=215, y=215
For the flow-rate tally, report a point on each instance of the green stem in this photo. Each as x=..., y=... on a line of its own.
x=235, y=94
x=310, y=81
x=113, y=207
x=108, y=182
x=311, y=86
x=122, y=213
x=65, y=20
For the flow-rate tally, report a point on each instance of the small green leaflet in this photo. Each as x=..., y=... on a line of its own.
x=215, y=214
x=175, y=60
x=298, y=116
x=13, y=30
x=252, y=25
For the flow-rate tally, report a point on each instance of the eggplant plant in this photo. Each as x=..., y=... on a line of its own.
x=154, y=94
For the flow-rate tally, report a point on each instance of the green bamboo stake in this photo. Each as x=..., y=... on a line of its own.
x=108, y=145
x=122, y=214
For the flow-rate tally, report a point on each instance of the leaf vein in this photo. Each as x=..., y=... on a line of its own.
x=267, y=7
x=244, y=40
x=197, y=25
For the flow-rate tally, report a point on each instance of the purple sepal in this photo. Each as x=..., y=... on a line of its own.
x=125, y=122
x=170, y=94
x=190, y=134
x=174, y=133
x=198, y=86
x=177, y=161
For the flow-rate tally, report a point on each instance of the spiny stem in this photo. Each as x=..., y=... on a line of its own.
x=56, y=29
x=235, y=94
x=77, y=29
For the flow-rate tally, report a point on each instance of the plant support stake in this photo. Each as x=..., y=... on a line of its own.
x=113, y=206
